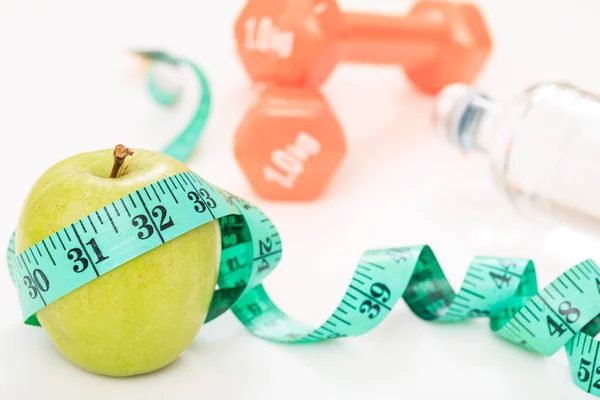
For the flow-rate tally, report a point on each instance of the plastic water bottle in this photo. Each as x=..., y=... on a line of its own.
x=543, y=147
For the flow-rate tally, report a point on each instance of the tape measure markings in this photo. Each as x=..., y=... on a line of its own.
x=512, y=281
x=507, y=294
x=95, y=249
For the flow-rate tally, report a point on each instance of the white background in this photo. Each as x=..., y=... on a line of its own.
x=66, y=87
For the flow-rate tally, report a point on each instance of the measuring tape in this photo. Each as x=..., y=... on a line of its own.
x=505, y=290
x=183, y=144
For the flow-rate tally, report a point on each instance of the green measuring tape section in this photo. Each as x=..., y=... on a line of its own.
x=505, y=290
x=183, y=145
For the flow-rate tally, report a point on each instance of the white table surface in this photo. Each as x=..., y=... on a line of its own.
x=66, y=87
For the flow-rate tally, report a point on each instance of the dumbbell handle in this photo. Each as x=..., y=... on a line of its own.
x=381, y=39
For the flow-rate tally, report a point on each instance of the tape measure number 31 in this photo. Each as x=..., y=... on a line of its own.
x=564, y=314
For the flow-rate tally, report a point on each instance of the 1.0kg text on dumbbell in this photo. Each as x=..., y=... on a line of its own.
x=289, y=162
x=289, y=144
x=263, y=36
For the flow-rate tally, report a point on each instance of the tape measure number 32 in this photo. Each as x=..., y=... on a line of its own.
x=564, y=314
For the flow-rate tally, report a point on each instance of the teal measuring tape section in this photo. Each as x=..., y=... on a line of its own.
x=566, y=313
x=182, y=146
x=67, y=260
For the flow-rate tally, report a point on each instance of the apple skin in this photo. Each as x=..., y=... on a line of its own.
x=142, y=315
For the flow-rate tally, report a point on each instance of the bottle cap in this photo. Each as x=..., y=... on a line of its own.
x=450, y=105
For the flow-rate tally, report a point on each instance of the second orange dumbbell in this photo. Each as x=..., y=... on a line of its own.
x=289, y=144
x=299, y=42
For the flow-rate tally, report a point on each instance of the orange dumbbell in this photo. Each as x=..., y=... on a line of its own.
x=289, y=144
x=299, y=42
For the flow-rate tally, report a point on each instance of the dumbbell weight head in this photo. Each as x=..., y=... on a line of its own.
x=464, y=52
x=289, y=144
x=299, y=42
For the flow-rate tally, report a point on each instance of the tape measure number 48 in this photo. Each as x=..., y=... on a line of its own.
x=564, y=314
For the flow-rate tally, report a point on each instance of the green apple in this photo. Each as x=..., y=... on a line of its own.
x=143, y=314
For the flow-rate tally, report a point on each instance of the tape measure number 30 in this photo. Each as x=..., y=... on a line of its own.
x=564, y=314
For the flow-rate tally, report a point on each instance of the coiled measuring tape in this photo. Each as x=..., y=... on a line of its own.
x=564, y=314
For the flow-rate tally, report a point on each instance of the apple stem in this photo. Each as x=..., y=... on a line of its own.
x=119, y=155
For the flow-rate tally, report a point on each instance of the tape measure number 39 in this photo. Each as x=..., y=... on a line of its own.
x=564, y=314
